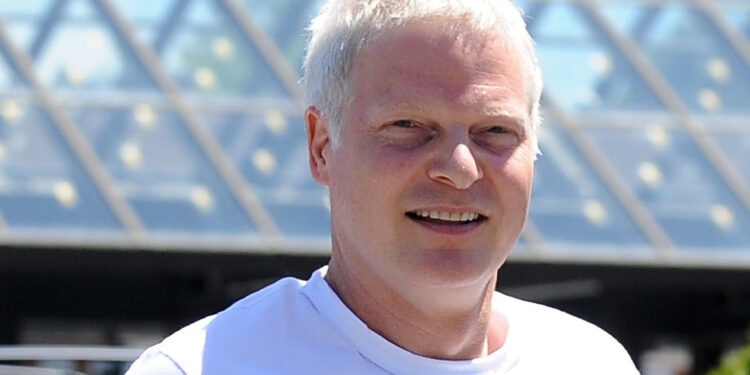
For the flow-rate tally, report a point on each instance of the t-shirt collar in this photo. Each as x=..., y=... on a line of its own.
x=389, y=356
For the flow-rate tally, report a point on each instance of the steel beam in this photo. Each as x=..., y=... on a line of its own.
x=735, y=38
x=646, y=21
x=47, y=24
x=245, y=196
x=74, y=138
x=672, y=101
x=609, y=175
x=534, y=237
x=3, y=226
x=68, y=353
x=172, y=20
x=611, y=178
x=266, y=47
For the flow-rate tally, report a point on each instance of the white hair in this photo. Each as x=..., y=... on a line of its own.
x=344, y=27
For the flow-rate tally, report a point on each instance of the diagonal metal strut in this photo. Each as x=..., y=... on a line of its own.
x=246, y=197
x=74, y=138
x=671, y=100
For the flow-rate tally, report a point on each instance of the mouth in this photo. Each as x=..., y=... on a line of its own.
x=446, y=218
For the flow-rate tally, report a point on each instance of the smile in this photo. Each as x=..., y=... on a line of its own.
x=445, y=217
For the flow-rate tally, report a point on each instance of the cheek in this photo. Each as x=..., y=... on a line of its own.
x=521, y=172
x=362, y=179
x=520, y=165
x=512, y=180
x=399, y=163
x=518, y=162
x=385, y=166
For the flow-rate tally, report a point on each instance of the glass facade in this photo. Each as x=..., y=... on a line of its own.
x=131, y=122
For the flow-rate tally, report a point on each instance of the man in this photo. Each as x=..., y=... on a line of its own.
x=422, y=123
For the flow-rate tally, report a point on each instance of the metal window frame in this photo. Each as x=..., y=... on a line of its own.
x=48, y=23
x=613, y=181
x=242, y=192
x=626, y=199
x=266, y=46
x=183, y=105
x=75, y=140
x=671, y=100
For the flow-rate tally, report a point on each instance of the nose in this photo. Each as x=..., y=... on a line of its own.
x=456, y=167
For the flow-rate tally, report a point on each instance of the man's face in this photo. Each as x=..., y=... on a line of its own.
x=431, y=179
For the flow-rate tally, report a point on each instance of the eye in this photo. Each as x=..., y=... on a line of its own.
x=498, y=130
x=404, y=124
x=405, y=133
x=497, y=138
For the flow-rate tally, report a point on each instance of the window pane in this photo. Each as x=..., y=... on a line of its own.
x=694, y=58
x=582, y=71
x=206, y=53
x=683, y=192
x=81, y=52
x=42, y=185
x=161, y=171
x=286, y=22
x=570, y=205
x=270, y=150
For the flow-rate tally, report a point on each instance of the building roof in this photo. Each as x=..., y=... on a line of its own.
x=167, y=124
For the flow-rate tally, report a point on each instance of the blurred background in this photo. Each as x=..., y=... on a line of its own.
x=153, y=170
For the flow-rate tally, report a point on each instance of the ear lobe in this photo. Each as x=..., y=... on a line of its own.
x=318, y=142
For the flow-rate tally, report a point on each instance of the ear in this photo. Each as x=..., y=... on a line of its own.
x=318, y=144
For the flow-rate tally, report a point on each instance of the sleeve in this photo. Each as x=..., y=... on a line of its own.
x=154, y=362
x=626, y=365
x=609, y=357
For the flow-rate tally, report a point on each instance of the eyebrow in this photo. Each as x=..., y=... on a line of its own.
x=499, y=114
x=521, y=119
x=389, y=106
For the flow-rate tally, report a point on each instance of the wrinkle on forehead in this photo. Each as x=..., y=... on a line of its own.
x=424, y=70
x=446, y=47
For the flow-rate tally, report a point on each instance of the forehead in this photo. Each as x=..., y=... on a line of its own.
x=423, y=65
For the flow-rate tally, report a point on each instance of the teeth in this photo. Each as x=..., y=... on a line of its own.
x=448, y=216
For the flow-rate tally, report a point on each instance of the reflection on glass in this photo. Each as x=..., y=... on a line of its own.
x=693, y=57
x=624, y=16
x=569, y=204
x=678, y=186
x=736, y=146
x=738, y=15
x=270, y=150
x=42, y=186
x=9, y=79
x=22, y=19
x=81, y=51
x=159, y=169
x=206, y=52
x=150, y=12
x=601, y=79
x=285, y=21
x=174, y=189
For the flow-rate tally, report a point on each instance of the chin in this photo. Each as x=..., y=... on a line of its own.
x=454, y=268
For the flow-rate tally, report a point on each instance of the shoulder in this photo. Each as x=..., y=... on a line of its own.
x=247, y=326
x=563, y=339
x=545, y=320
x=153, y=361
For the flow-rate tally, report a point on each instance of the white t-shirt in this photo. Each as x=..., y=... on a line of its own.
x=294, y=327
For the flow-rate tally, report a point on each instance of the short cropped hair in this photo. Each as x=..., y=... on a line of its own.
x=345, y=27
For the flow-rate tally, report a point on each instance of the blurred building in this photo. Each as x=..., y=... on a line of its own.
x=153, y=168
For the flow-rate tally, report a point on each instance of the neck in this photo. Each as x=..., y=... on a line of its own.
x=432, y=322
